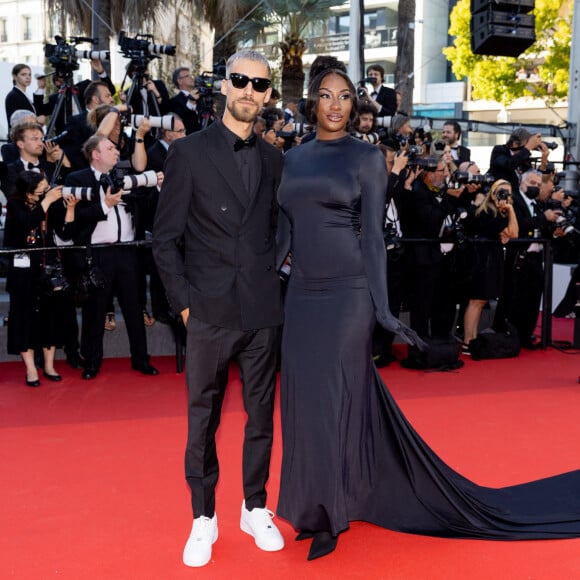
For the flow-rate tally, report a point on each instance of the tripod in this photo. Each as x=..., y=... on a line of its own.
x=67, y=98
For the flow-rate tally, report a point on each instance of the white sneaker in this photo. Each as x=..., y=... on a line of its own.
x=258, y=523
x=204, y=533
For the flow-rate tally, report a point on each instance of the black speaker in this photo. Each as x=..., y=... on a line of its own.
x=489, y=17
x=517, y=6
x=499, y=40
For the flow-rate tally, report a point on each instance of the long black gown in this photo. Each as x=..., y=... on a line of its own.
x=348, y=451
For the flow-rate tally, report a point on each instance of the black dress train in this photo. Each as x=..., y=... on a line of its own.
x=348, y=451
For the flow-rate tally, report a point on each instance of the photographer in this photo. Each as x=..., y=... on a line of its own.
x=384, y=99
x=17, y=98
x=35, y=304
x=451, y=133
x=36, y=154
x=494, y=219
x=434, y=207
x=511, y=160
x=78, y=129
x=366, y=129
x=149, y=97
x=109, y=122
x=401, y=131
x=104, y=219
x=524, y=272
x=184, y=103
x=398, y=190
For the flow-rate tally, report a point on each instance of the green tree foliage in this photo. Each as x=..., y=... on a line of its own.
x=541, y=71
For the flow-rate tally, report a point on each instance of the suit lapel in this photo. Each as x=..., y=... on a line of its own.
x=217, y=151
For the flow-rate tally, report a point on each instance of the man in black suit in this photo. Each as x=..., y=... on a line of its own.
x=184, y=103
x=29, y=139
x=219, y=197
x=433, y=208
x=156, y=155
x=511, y=160
x=78, y=129
x=524, y=271
x=384, y=98
x=451, y=133
x=104, y=219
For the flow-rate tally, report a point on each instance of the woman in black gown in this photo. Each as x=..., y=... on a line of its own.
x=348, y=452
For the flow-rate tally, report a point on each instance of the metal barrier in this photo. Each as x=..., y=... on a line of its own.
x=546, y=326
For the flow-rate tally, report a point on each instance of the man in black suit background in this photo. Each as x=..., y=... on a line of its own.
x=184, y=103
x=78, y=129
x=451, y=133
x=524, y=270
x=105, y=220
x=156, y=155
x=219, y=197
x=384, y=98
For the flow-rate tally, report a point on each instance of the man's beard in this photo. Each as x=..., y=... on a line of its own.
x=242, y=112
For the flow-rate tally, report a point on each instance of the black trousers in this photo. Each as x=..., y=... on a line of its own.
x=120, y=269
x=522, y=294
x=209, y=351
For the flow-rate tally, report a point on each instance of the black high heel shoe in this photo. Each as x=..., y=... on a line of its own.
x=35, y=383
x=54, y=378
x=323, y=544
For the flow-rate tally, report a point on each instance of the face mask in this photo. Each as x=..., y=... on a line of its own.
x=532, y=192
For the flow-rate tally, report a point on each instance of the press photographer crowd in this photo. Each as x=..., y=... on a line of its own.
x=82, y=171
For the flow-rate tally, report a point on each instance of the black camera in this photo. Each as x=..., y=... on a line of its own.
x=503, y=194
x=57, y=139
x=63, y=55
x=361, y=92
x=455, y=232
x=53, y=280
x=143, y=47
x=465, y=177
x=550, y=145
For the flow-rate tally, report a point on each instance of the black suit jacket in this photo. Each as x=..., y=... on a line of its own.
x=178, y=105
x=387, y=98
x=428, y=217
x=227, y=276
x=78, y=132
x=16, y=100
x=152, y=103
x=503, y=165
x=463, y=154
x=156, y=156
x=13, y=169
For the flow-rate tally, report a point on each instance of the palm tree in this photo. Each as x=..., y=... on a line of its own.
x=292, y=17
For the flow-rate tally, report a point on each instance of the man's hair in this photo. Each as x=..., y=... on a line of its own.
x=91, y=144
x=177, y=73
x=176, y=117
x=271, y=115
x=365, y=107
x=92, y=90
x=314, y=96
x=378, y=68
x=20, y=114
x=275, y=94
x=520, y=135
x=17, y=132
x=397, y=121
x=247, y=54
x=456, y=127
x=529, y=173
x=323, y=62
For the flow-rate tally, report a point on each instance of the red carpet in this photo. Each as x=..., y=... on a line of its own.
x=92, y=474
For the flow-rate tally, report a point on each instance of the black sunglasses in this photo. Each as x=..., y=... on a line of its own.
x=241, y=81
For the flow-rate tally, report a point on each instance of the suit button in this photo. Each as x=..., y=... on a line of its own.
x=224, y=207
x=268, y=268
